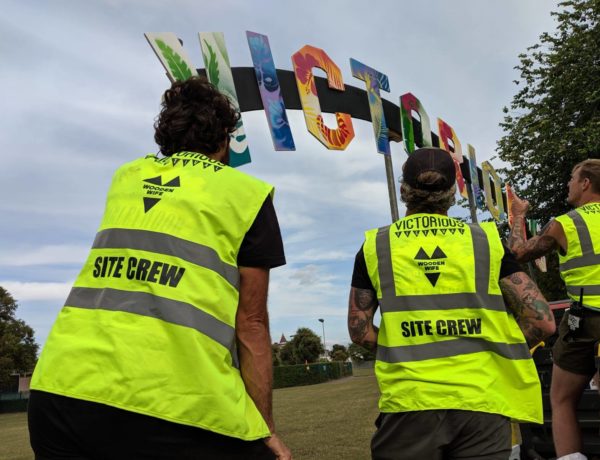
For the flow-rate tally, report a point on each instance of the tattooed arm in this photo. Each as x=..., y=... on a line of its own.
x=550, y=238
x=361, y=308
x=524, y=299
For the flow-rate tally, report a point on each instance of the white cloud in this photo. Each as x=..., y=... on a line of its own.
x=319, y=255
x=45, y=255
x=28, y=291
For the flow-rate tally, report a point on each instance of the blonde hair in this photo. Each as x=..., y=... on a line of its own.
x=590, y=169
x=418, y=200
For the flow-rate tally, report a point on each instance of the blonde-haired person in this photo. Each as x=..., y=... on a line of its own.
x=576, y=237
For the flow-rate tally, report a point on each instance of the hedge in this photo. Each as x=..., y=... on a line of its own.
x=309, y=374
x=15, y=405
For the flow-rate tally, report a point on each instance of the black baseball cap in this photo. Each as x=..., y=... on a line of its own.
x=429, y=159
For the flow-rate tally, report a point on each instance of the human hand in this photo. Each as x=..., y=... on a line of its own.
x=519, y=207
x=277, y=446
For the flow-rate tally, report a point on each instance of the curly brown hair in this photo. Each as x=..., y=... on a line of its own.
x=194, y=117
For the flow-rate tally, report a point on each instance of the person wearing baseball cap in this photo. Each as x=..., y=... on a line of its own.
x=457, y=313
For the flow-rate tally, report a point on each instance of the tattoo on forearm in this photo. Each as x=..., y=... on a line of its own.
x=362, y=306
x=517, y=236
x=357, y=327
x=538, y=246
x=524, y=299
x=369, y=345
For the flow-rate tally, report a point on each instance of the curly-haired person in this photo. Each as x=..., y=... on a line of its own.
x=162, y=349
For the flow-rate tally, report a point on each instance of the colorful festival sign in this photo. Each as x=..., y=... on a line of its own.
x=375, y=81
x=409, y=104
x=271, y=88
x=270, y=92
x=304, y=61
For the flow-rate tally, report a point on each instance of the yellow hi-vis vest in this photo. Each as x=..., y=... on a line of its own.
x=149, y=325
x=580, y=266
x=446, y=340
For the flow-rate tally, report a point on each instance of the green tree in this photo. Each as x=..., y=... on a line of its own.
x=339, y=353
x=554, y=119
x=276, y=354
x=359, y=354
x=305, y=346
x=18, y=350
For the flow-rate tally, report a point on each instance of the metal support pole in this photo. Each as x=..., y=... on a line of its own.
x=472, y=204
x=389, y=173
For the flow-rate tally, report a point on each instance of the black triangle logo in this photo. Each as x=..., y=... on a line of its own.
x=443, y=230
x=206, y=165
x=453, y=231
x=185, y=162
x=195, y=162
x=154, y=180
x=173, y=182
x=218, y=168
x=398, y=234
x=438, y=254
x=432, y=277
x=425, y=232
x=149, y=203
x=175, y=161
x=461, y=230
x=407, y=233
x=416, y=232
x=434, y=232
x=421, y=255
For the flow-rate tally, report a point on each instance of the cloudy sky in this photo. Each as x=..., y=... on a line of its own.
x=81, y=88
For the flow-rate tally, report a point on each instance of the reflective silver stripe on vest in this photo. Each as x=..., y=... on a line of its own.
x=587, y=257
x=390, y=302
x=592, y=289
x=170, y=311
x=145, y=240
x=449, y=348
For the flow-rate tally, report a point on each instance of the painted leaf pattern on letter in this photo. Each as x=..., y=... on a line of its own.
x=179, y=69
x=212, y=68
x=218, y=70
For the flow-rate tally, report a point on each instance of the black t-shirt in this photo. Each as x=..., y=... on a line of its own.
x=262, y=246
x=361, y=280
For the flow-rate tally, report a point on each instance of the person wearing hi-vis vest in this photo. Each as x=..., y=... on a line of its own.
x=576, y=237
x=162, y=349
x=452, y=358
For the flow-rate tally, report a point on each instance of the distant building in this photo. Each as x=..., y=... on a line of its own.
x=282, y=341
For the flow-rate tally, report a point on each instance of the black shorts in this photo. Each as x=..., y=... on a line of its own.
x=68, y=428
x=575, y=351
x=441, y=435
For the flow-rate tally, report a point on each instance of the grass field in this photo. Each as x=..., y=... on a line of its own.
x=332, y=420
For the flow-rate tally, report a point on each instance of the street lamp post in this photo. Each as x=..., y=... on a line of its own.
x=322, y=321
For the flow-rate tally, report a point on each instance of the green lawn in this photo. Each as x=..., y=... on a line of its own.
x=14, y=437
x=332, y=420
